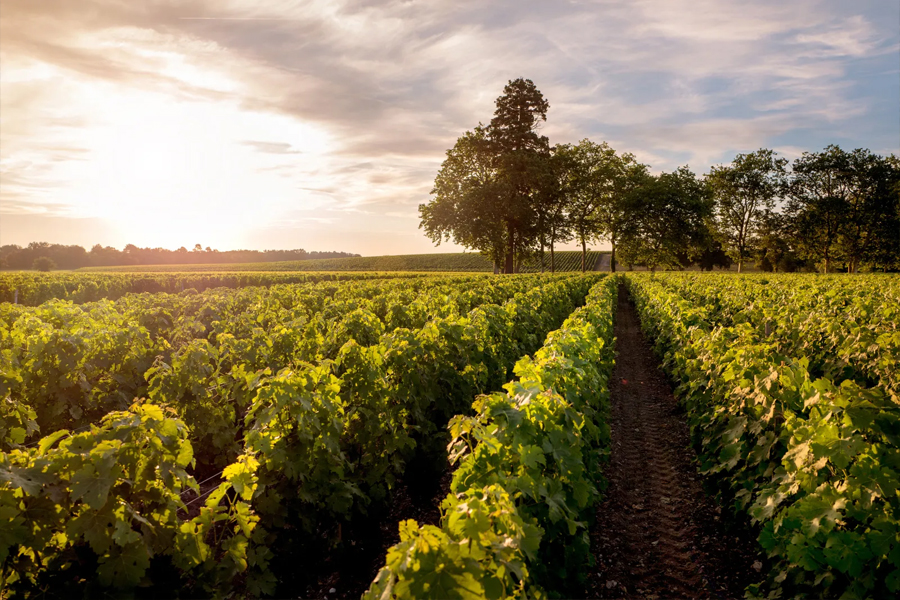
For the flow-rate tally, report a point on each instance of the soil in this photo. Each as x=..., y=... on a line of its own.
x=657, y=533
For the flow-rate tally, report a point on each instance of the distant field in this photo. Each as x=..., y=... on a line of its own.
x=31, y=288
x=458, y=262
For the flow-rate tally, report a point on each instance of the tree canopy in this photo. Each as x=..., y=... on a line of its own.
x=488, y=187
x=503, y=190
x=743, y=192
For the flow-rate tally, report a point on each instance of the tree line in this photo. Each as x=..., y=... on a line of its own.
x=503, y=190
x=45, y=256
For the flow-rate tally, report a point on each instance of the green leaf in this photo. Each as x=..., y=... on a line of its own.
x=124, y=567
x=91, y=486
x=51, y=439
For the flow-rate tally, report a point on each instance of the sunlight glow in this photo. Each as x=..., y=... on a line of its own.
x=168, y=171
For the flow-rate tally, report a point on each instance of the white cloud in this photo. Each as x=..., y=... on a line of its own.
x=237, y=113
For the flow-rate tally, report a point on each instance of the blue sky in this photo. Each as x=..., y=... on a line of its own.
x=321, y=125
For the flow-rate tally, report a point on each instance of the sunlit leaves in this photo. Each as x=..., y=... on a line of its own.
x=528, y=469
x=815, y=464
x=116, y=490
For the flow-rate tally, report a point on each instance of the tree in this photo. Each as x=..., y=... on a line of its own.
x=550, y=207
x=44, y=264
x=843, y=205
x=614, y=210
x=467, y=205
x=814, y=211
x=589, y=181
x=712, y=256
x=774, y=251
x=871, y=216
x=743, y=191
x=555, y=225
x=669, y=220
x=486, y=190
x=885, y=254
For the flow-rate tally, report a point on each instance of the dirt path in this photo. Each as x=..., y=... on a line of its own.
x=658, y=534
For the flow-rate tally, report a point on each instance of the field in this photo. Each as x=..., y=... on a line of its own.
x=451, y=262
x=30, y=288
x=450, y=435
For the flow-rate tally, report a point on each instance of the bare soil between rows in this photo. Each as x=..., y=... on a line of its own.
x=657, y=533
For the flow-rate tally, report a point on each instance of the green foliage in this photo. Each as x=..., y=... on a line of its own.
x=43, y=264
x=108, y=500
x=333, y=438
x=528, y=475
x=481, y=552
x=668, y=219
x=203, y=353
x=846, y=205
x=33, y=289
x=743, y=192
x=814, y=463
x=487, y=188
x=17, y=423
x=310, y=399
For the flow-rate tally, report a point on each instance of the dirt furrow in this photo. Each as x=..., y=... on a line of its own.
x=657, y=533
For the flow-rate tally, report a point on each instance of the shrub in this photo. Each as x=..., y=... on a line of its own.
x=43, y=263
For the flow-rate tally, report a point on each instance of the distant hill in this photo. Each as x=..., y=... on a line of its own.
x=458, y=262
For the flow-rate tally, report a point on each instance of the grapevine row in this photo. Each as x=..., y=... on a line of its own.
x=814, y=463
x=566, y=260
x=528, y=473
x=72, y=364
x=846, y=329
x=33, y=289
x=323, y=442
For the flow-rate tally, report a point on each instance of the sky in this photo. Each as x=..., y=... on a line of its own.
x=265, y=124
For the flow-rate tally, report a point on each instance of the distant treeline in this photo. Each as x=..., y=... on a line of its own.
x=37, y=255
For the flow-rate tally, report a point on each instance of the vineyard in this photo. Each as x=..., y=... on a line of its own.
x=790, y=387
x=565, y=261
x=430, y=436
x=32, y=289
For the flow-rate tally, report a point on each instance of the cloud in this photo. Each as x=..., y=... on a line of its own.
x=271, y=147
x=349, y=104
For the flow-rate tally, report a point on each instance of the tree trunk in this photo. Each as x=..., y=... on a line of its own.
x=612, y=258
x=510, y=256
x=583, y=253
x=740, y=264
x=542, y=254
x=552, y=258
x=827, y=262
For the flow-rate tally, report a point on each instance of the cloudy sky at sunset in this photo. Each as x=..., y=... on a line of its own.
x=321, y=124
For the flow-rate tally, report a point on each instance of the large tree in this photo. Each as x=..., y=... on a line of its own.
x=614, y=211
x=844, y=206
x=551, y=206
x=590, y=172
x=774, y=249
x=486, y=190
x=467, y=206
x=871, y=220
x=743, y=191
x=669, y=215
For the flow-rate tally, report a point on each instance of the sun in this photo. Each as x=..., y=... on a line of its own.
x=170, y=173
